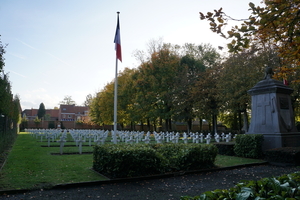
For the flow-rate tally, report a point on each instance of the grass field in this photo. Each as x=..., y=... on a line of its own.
x=31, y=164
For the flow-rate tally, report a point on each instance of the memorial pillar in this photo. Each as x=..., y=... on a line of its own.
x=272, y=114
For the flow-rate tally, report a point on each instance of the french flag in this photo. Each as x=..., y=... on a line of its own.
x=117, y=41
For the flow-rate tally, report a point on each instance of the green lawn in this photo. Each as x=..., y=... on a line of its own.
x=30, y=166
x=227, y=161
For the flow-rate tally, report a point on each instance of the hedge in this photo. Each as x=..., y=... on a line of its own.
x=129, y=160
x=249, y=145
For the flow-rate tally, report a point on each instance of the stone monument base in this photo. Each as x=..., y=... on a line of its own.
x=278, y=140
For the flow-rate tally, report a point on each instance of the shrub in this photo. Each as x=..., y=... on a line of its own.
x=225, y=148
x=125, y=160
x=283, y=187
x=198, y=156
x=188, y=156
x=249, y=145
x=171, y=152
x=51, y=124
x=120, y=161
x=287, y=155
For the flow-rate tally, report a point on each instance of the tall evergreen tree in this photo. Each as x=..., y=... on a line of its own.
x=42, y=111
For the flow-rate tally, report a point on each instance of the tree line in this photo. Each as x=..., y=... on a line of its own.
x=181, y=83
x=10, y=109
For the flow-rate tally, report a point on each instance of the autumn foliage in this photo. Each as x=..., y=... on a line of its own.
x=274, y=24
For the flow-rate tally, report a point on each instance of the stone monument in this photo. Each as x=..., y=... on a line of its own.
x=272, y=113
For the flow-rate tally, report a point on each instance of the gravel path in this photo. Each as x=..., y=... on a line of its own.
x=161, y=188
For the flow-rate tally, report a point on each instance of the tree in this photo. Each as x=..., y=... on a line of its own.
x=16, y=116
x=37, y=121
x=41, y=111
x=24, y=123
x=5, y=94
x=240, y=72
x=277, y=24
x=194, y=61
x=10, y=108
x=88, y=100
x=158, y=81
x=5, y=86
x=206, y=93
x=102, y=106
x=2, y=52
x=143, y=97
x=128, y=111
x=67, y=101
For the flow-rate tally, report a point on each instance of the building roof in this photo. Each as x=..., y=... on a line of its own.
x=54, y=113
x=73, y=109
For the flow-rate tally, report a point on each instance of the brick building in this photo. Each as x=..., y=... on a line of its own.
x=66, y=116
x=73, y=113
x=31, y=114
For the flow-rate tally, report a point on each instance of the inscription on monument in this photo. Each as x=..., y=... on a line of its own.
x=284, y=103
x=263, y=107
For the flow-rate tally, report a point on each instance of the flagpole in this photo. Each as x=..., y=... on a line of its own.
x=116, y=97
x=115, y=103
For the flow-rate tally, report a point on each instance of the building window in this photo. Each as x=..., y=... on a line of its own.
x=69, y=116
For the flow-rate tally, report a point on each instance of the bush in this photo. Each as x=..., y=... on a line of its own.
x=8, y=134
x=249, y=145
x=283, y=187
x=51, y=124
x=171, y=152
x=118, y=161
x=286, y=155
x=198, y=156
x=188, y=156
x=125, y=160
x=225, y=149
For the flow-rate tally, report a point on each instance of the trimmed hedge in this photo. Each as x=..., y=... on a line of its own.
x=129, y=160
x=226, y=148
x=118, y=161
x=249, y=145
x=286, y=155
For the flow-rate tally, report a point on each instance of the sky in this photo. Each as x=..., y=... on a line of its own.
x=64, y=48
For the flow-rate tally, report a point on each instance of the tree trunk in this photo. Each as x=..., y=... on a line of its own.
x=235, y=122
x=166, y=125
x=246, y=124
x=131, y=126
x=189, y=125
x=148, y=125
x=240, y=120
x=200, y=123
x=209, y=126
x=160, y=124
x=142, y=125
x=214, y=120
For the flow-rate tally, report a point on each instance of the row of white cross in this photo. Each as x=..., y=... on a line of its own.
x=100, y=136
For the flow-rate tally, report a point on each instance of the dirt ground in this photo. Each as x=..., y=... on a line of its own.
x=159, y=188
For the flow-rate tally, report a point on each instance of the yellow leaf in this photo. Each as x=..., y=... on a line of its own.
x=220, y=20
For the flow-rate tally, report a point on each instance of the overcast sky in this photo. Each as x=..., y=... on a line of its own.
x=65, y=47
